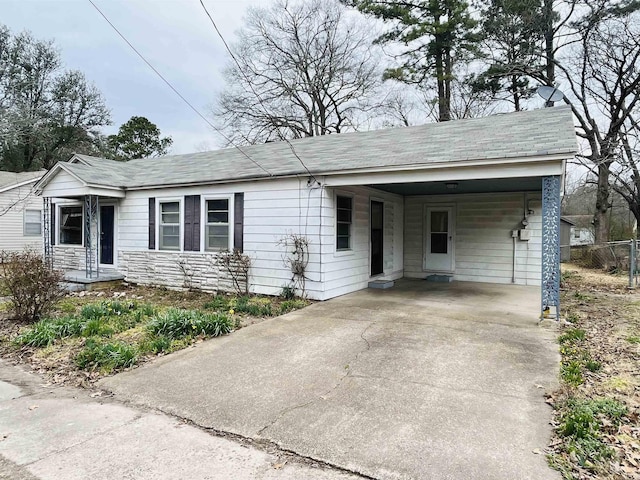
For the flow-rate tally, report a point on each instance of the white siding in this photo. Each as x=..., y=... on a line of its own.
x=272, y=209
x=17, y=200
x=483, y=243
x=348, y=271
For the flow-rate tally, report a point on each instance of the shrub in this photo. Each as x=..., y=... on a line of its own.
x=32, y=286
x=177, y=323
x=109, y=356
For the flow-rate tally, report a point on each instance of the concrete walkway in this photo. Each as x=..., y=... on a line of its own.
x=434, y=381
x=55, y=433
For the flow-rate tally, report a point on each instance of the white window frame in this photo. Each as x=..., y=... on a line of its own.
x=58, y=224
x=24, y=223
x=179, y=201
x=352, y=229
x=203, y=221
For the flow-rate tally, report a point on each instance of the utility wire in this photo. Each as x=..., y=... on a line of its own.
x=260, y=101
x=176, y=91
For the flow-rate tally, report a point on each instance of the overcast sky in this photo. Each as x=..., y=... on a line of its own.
x=174, y=35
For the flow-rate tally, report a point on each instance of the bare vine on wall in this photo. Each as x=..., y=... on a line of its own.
x=187, y=273
x=296, y=259
x=237, y=265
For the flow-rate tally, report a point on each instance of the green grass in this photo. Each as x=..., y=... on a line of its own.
x=290, y=305
x=47, y=331
x=106, y=356
x=582, y=422
x=571, y=373
x=633, y=339
x=176, y=323
x=572, y=335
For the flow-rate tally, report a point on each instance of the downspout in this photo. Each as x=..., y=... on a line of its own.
x=513, y=274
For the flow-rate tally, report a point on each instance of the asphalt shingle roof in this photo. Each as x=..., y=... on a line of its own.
x=520, y=134
x=12, y=178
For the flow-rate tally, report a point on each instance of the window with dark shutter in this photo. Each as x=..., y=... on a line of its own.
x=238, y=222
x=192, y=223
x=152, y=223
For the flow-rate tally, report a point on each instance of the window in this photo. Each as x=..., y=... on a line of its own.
x=343, y=223
x=32, y=223
x=576, y=233
x=170, y=225
x=217, y=225
x=71, y=225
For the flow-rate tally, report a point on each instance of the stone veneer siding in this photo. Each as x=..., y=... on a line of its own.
x=197, y=271
x=68, y=258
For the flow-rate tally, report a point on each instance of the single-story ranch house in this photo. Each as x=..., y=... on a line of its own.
x=475, y=200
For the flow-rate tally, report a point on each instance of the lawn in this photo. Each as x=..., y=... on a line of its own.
x=92, y=334
x=597, y=408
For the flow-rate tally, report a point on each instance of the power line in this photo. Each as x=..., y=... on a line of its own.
x=260, y=101
x=176, y=91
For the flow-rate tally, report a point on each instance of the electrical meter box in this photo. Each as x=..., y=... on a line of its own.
x=525, y=234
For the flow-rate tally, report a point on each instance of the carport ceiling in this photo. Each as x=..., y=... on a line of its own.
x=494, y=185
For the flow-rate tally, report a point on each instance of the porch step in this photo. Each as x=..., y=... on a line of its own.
x=439, y=278
x=73, y=287
x=77, y=280
x=383, y=284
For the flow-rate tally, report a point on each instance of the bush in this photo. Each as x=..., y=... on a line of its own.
x=177, y=323
x=109, y=356
x=32, y=287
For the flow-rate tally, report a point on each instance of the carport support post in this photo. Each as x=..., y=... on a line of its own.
x=46, y=232
x=91, y=236
x=550, y=298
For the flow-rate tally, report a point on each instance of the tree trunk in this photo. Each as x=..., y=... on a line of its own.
x=443, y=113
x=601, y=219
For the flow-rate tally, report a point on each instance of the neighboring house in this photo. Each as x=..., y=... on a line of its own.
x=20, y=211
x=566, y=226
x=461, y=198
x=582, y=230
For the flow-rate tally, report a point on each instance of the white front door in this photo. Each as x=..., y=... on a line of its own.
x=439, y=241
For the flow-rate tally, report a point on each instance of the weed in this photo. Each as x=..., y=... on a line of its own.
x=581, y=296
x=96, y=327
x=94, y=311
x=219, y=303
x=47, y=331
x=571, y=373
x=290, y=305
x=582, y=423
x=572, y=335
x=288, y=292
x=176, y=323
x=107, y=356
x=572, y=317
x=633, y=339
x=156, y=344
x=592, y=365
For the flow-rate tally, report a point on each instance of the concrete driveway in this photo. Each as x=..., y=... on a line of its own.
x=426, y=380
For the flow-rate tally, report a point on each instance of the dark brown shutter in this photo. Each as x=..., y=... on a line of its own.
x=53, y=223
x=152, y=223
x=192, y=223
x=238, y=222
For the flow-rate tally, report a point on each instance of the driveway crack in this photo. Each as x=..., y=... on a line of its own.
x=323, y=395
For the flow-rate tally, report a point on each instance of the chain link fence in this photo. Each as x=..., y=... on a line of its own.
x=616, y=257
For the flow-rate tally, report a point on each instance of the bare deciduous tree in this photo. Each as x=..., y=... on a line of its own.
x=304, y=69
